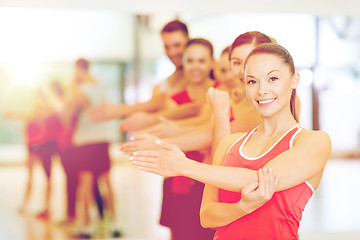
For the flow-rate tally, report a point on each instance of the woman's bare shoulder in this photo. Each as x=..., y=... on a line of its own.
x=313, y=138
x=228, y=140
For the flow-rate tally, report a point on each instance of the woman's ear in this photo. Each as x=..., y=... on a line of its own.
x=295, y=80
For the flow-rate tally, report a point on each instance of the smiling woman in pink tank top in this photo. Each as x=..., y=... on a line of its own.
x=244, y=198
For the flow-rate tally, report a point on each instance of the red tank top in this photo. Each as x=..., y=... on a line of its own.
x=277, y=219
x=35, y=134
x=182, y=185
x=53, y=127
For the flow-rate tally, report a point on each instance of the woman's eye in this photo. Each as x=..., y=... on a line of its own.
x=273, y=78
x=251, y=82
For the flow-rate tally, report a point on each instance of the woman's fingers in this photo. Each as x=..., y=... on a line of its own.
x=140, y=136
x=143, y=161
x=146, y=153
x=262, y=182
x=268, y=183
x=148, y=168
x=129, y=147
x=140, y=160
x=250, y=187
x=165, y=145
x=277, y=180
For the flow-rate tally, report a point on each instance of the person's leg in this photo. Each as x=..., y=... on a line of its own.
x=29, y=184
x=85, y=193
x=110, y=203
x=71, y=173
x=98, y=162
x=109, y=197
x=45, y=154
x=98, y=199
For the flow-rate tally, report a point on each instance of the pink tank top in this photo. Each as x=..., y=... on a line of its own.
x=53, y=127
x=35, y=134
x=277, y=219
x=182, y=185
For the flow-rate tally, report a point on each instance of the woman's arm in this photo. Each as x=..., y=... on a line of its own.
x=220, y=105
x=203, y=117
x=200, y=138
x=141, y=120
x=107, y=111
x=304, y=160
x=216, y=214
x=169, y=161
x=177, y=128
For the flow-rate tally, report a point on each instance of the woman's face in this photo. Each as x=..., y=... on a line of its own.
x=269, y=84
x=238, y=57
x=223, y=72
x=197, y=63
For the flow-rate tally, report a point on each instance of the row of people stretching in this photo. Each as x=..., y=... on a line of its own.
x=236, y=162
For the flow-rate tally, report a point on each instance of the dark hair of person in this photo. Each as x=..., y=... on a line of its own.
x=254, y=37
x=226, y=50
x=82, y=63
x=175, y=25
x=201, y=41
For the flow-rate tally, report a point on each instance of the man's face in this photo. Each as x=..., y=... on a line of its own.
x=174, y=43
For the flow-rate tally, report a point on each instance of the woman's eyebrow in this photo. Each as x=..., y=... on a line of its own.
x=272, y=71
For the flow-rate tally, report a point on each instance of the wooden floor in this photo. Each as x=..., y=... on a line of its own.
x=333, y=213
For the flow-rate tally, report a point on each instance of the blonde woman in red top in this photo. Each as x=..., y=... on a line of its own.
x=248, y=163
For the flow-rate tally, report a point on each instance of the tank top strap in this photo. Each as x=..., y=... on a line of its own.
x=240, y=140
x=288, y=136
x=298, y=130
x=284, y=142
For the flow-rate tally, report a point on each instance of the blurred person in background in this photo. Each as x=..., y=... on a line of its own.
x=240, y=114
x=182, y=196
x=174, y=35
x=85, y=156
x=42, y=127
x=225, y=82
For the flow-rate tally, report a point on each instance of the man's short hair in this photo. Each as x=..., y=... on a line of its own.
x=175, y=26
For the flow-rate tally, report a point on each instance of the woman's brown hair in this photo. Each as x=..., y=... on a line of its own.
x=253, y=37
